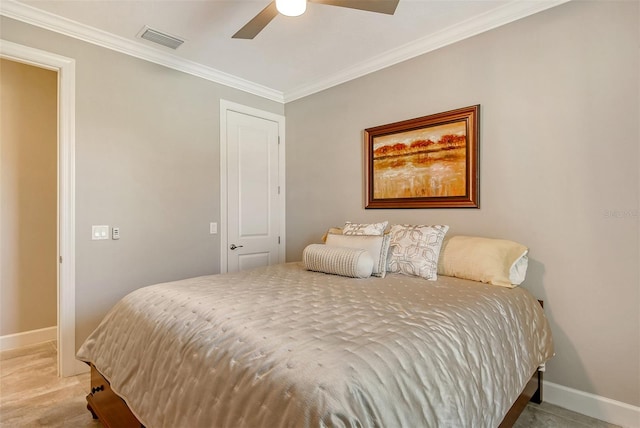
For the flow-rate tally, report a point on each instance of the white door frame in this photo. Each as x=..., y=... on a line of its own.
x=226, y=106
x=66, y=69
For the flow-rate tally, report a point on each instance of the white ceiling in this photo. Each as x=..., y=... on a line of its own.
x=291, y=57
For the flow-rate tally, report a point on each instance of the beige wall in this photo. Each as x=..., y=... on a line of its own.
x=147, y=160
x=559, y=169
x=28, y=150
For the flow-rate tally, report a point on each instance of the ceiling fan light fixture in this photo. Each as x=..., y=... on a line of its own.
x=291, y=7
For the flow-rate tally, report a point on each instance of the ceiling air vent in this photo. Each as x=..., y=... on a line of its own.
x=163, y=39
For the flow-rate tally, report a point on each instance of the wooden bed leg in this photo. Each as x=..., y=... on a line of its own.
x=537, y=396
x=89, y=408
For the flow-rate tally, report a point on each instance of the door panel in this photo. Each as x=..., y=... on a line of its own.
x=253, y=181
x=252, y=191
x=249, y=261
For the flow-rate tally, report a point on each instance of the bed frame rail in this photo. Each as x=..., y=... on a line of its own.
x=107, y=406
x=532, y=392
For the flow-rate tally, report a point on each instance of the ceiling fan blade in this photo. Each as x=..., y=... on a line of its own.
x=379, y=6
x=257, y=24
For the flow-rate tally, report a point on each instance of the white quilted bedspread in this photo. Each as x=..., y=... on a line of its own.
x=284, y=347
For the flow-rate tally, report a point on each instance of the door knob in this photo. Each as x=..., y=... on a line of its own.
x=234, y=246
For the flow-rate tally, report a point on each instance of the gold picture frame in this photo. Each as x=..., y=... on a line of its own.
x=427, y=162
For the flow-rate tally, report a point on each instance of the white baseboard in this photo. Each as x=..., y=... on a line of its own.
x=595, y=406
x=18, y=340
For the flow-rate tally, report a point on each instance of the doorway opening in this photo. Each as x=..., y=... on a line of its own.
x=65, y=68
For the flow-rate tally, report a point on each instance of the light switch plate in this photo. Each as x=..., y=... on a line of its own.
x=99, y=232
x=213, y=228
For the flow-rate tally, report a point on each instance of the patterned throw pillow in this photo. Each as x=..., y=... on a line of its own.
x=375, y=229
x=414, y=250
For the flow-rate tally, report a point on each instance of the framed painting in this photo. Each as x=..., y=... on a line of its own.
x=427, y=162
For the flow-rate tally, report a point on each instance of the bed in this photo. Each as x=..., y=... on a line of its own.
x=283, y=346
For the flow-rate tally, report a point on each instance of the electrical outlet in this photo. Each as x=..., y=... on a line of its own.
x=115, y=233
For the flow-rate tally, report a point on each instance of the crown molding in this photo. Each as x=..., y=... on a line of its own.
x=30, y=15
x=510, y=12
x=487, y=21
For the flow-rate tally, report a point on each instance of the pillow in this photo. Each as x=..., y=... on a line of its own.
x=334, y=230
x=356, y=263
x=377, y=246
x=375, y=229
x=414, y=250
x=492, y=261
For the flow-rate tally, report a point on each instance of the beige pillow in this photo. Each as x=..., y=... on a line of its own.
x=356, y=263
x=492, y=261
x=377, y=246
x=414, y=249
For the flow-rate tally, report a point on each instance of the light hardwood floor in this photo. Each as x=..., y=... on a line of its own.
x=32, y=395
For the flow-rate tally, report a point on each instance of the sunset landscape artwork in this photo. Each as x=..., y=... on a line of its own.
x=426, y=162
x=422, y=163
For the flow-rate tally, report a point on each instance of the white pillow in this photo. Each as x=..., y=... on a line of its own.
x=492, y=261
x=375, y=229
x=377, y=246
x=352, y=262
x=334, y=230
x=414, y=249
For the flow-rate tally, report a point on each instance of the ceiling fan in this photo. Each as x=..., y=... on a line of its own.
x=297, y=7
